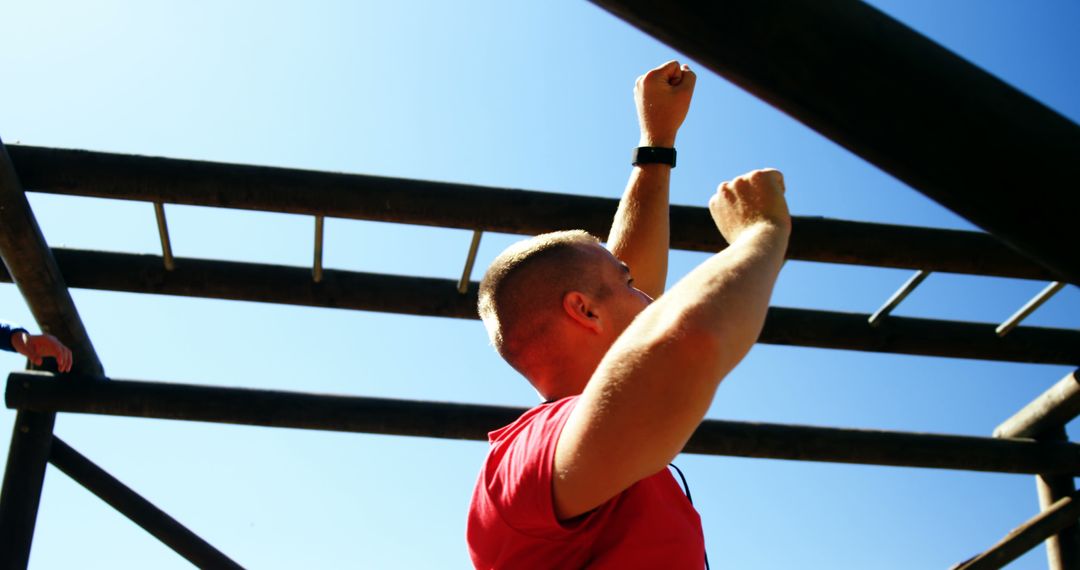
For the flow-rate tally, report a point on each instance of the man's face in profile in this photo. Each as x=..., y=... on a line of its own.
x=624, y=301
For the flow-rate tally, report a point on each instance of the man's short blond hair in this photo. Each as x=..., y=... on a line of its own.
x=523, y=289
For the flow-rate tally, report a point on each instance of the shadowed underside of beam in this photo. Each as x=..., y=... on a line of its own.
x=439, y=297
x=975, y=144
x=28, y=261
x=198, y=183
x=41, y=392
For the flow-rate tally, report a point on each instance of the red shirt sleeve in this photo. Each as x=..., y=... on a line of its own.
x=519, y=471
x=512, y=522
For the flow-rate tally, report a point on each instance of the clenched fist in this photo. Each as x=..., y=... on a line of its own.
x=662, y=97
x=753, y=199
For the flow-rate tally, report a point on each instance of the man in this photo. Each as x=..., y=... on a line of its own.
x=582, y=480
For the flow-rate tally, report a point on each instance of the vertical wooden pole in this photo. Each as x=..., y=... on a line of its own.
x=31, y=443
x=1062, y=549
x=30, y=262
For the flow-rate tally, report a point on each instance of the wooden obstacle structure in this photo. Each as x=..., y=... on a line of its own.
x=840, y=66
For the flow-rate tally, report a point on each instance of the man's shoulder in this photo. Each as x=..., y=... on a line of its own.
x=512, y=499
x=524, y=450
x=546, y=415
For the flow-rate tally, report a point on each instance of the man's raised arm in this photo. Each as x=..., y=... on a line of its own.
x=639, y=235
x=656, y=382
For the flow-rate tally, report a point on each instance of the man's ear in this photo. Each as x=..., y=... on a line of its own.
x=581, y=309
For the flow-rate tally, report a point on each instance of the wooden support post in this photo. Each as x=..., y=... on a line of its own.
x=1044, y=419
x=439, y=297
x=31, y=266
x=1062, y=513
x=500, y=210
x=41, y=392
x=1062, y=548
x=132, y=505
x=849, y=71
x=31, y=441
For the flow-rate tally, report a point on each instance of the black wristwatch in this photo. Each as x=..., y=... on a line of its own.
x=654, y=155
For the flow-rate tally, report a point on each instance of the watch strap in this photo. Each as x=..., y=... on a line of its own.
x=654, y=155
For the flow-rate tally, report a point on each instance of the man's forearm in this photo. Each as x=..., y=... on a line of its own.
x=703, y=327
x=657, y=381
x=722, y=303
x=734, y=288
x=640, y=235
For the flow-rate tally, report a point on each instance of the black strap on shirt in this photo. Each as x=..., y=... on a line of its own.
x=686, y=489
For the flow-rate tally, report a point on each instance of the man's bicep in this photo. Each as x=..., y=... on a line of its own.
x=634, y=417
x=598, y=456
x=579, y=483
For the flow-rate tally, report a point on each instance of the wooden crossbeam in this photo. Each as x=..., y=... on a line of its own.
x=198, y=183
x=974, y=143
x=1050, y=411
x=1023, y=538
x=142, y=512
x=137, y=273
x=38, y=391
x=30, y=265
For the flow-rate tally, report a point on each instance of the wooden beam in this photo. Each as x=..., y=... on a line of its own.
x=1063, y=547
x=31, y=440
x=439, y=297
x=132, y=505
x=1044, y=419
x=859, y=77
x=1050, y=411
x=30, y=265
x=41, y=392
x=198, y=183
x=1023, y=538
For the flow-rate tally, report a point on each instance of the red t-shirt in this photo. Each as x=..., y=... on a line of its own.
x=512, y=523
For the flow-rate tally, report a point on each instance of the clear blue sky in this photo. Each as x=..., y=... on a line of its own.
x=526, y=95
